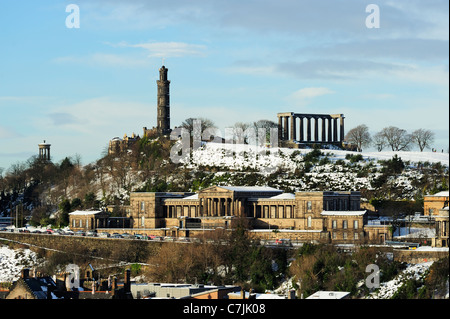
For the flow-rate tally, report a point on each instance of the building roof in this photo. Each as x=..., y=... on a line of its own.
x=283, y=196
x=86, y=212
x=329, y=295
x=440, y=194
x=250, y=188
x=195, y=196
x=343, y=213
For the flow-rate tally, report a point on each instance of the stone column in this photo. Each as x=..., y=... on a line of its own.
x=335, y=137
x=301, y=130
x=316, y=129
x=280, y=128
x=342, y=134
x=293, y=131
x=308, y=129
x=324, y=139
x=286, y=128
x=330, y=139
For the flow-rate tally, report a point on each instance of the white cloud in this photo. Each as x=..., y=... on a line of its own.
x=303, y=96
x=105, y=60
x=170, y=49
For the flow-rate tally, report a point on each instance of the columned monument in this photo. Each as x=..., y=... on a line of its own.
x=44, y=151
x=292, y=126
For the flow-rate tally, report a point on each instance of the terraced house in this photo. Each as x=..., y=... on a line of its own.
x=323, y=216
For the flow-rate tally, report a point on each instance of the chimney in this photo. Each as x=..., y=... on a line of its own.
x=114, y=286
x=127, y=282
x=291, y=294
x=25, y=273
x=49, y=291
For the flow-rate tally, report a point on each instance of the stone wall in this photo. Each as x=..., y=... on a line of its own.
x=413, y=256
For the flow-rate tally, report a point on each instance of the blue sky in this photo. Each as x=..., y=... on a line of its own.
x=228, y=61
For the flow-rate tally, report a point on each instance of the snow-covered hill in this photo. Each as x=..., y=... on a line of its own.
x=239, y=156
x=333, y=169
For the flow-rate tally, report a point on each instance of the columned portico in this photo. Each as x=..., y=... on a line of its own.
x=320, y=128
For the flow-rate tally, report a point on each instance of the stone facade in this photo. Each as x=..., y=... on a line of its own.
x=441, y=223
x=118, y=145
x=330, y=216
x=433, y=203
x=87, y=220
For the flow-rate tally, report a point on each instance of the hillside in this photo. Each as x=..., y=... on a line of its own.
x=43, y=189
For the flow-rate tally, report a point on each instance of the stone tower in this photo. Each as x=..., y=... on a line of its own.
x=163, y=109
x=44, y=151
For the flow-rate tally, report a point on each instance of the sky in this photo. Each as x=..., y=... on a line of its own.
x=229, y=61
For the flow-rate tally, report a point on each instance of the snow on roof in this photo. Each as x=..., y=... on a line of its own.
x=283, y=196
x=195, y=196
x=441, y=194
x=328, y=295
x=85, y=212
x=251, y=188
x=344, y=213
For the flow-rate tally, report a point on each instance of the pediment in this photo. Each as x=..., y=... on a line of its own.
x=215, y=190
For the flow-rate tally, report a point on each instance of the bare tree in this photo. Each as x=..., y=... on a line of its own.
x=359, y=136
x=267, y=125
x=398, y=139
x=423, y=138
x=241, y=132
x=189, y=124
x=379, y=141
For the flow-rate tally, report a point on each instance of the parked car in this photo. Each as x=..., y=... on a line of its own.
x=80, y=233
x=139, y=236
x=104, y=235
x=283, y=242
x=116, y=235
x=91, y=233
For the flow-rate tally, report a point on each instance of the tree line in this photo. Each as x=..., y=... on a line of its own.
x=397, y=139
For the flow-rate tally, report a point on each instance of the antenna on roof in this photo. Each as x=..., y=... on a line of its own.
x=163, y=60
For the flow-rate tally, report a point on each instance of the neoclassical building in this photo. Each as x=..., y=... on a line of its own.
x=328, y=215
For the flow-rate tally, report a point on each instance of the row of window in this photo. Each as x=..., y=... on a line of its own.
x=80, y=223
x=336, y=204
x=334, y=224
x=344, y=236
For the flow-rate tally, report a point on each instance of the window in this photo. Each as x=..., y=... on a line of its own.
x=309, y=221
x=334, y=224
x=344, y=224
x=355, y=224
x=355, y=236
x=344, y=235
x=309, y=205
x=142, y=206
x=142, y=220
x=334, y=235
